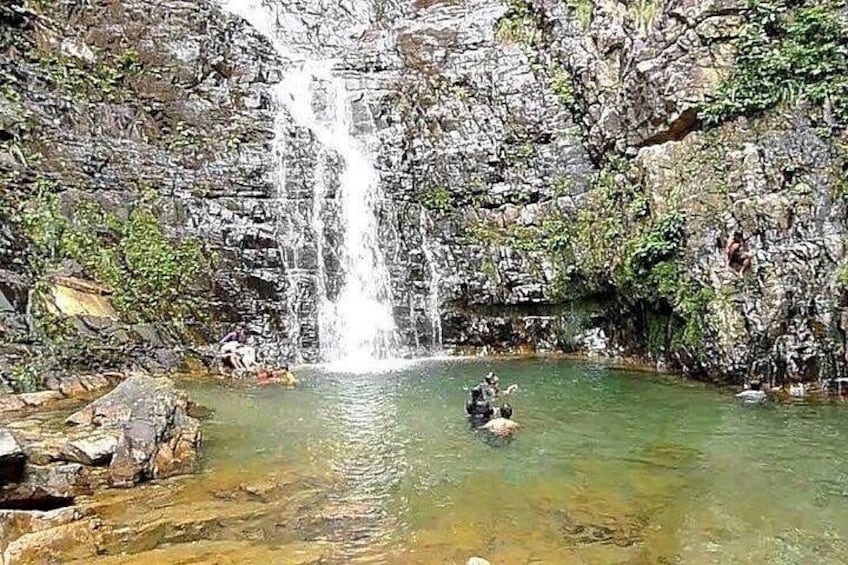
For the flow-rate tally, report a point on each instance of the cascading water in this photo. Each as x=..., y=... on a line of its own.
x=355, y=322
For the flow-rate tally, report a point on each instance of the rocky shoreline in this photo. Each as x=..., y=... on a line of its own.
x=141, y=430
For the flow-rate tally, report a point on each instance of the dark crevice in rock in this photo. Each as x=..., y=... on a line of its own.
x=685, y=124
x=42, y=503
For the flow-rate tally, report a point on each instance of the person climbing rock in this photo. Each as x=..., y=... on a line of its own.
x=503, y=425
x=737, y=254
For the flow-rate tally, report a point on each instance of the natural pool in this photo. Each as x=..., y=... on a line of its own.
x=610, y=466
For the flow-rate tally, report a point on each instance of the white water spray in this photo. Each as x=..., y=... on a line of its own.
x=357, y=326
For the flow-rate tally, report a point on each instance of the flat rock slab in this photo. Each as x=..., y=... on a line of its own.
x=17, y=402
x=93, y=450
x=47, y=537
x=38, y=399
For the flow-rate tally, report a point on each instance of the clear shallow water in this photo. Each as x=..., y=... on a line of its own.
x=608, y=467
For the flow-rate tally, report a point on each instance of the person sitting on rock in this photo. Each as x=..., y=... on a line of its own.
x=737, y=254
x=237, y=356
x=236, y=335
x=502, y=426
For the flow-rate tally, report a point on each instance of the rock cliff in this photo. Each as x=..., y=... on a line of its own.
x=551, y=171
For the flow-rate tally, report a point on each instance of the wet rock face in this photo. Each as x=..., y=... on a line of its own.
x=485, y=121
x=191, y=121
x=781, y=319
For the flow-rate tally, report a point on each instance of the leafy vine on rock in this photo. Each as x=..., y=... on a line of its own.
x=785, y=53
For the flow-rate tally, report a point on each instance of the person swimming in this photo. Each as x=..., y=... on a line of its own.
x=478, y=407
x=491, y=390
x=502, y=426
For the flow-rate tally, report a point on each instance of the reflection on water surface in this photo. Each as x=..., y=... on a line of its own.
x=608, y=467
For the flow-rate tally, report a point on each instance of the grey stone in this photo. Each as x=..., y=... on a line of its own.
x=96, y=449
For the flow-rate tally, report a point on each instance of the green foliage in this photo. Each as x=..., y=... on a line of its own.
x=83, y=80
x=842, y=276
x=150, y=274
x=643, y=13
x=438, y=199
x=582, y=10
x=28, y=377
x=786, y=52
x=563, y=186
x=518, y=24
x=44, y=224
x=615, y=243
x=660, y=242
x=562, y=86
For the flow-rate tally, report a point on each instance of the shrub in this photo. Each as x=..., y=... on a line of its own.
x=785, y=53
x=150, y=274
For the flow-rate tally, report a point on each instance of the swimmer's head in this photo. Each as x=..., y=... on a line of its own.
x=492, y=379
x=476, y=393
x=506, y=411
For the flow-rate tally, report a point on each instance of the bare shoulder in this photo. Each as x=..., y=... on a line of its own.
x=499, y=425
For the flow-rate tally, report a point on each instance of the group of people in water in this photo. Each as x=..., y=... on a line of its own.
x=496, y=420
x=238, y=359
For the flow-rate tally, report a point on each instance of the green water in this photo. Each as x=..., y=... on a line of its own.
x=609, y=466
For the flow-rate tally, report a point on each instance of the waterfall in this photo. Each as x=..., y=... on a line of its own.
x=355, y=321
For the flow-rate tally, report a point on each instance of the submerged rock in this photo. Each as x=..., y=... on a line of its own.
x=752, y=396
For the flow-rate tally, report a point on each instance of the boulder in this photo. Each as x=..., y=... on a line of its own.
x=155, y=436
